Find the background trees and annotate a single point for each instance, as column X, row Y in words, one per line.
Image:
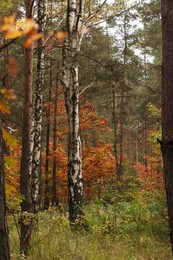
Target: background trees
column 119, row 110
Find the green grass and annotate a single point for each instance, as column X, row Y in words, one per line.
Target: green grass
column 125, row 224
column 104, row 239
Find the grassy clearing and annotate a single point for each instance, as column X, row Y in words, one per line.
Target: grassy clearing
column 53, row 239
column 125, row 225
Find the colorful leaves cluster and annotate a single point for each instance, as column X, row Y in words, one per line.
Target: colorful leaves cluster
column 12, row 28
column 98, row 160
column 148, row 177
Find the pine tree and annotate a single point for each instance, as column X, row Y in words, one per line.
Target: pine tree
column 25, row 168
column 167, row 106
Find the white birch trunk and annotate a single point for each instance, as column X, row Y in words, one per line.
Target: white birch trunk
column 36, row 154
column 71, row 90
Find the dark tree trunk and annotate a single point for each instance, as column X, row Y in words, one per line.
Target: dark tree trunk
column 122, row 103
column 4, row 241
column 115, row 123
column 167, row 106
column 25, row 167
column 121, row 135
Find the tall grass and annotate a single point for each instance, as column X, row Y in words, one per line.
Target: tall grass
column 129, row 227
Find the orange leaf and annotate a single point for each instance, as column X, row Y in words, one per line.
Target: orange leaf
column 5, row 27
column 28, row 43
column 4, row 107
column 62, row 35
column 37, row 36
column 10, row 19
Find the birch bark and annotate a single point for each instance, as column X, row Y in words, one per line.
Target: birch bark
column 71, row 91
column 36, row 153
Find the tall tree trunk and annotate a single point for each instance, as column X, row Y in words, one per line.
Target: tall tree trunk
column 47, row 184
column 145, row 145
column 4, row 240
column 167, row 106
column 137, row 149
column 129, row 134
column 55, row 200
column 71, row 91
column 25, row 178
column 121, row 135
column 115, row 122
column 122, row 101
column 36, row 157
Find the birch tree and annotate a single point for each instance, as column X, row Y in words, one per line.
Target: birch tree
column 36, row 153
column 75, row 28
column 71, row 91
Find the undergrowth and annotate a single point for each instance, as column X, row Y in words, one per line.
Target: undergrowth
column 124, row 224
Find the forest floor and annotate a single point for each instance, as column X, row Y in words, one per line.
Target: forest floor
column 131, row 227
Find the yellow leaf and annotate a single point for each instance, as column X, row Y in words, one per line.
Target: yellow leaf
column 29, row 25
column 8, row 93
column 13, row 34
column 20, row 23
column 9, row 139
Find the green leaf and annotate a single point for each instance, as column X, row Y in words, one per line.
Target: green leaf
column 9, row 162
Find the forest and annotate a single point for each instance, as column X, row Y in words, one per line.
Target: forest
column 86, row 130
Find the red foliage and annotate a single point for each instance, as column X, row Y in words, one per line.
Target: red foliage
column 148, row 177
column 98, row 159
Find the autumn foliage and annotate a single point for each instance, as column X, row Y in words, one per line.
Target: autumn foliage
column 98, row 160
column 13, row 28
column 150, row 176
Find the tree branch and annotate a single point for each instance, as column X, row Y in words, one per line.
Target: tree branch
column 7, row 44
column 96, row 12
column 86, row 88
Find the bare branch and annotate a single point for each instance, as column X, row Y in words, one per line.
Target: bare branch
column 112, row 17
column 7, row 44
column 86, row 88
column 54, row 32
column 96, row 12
